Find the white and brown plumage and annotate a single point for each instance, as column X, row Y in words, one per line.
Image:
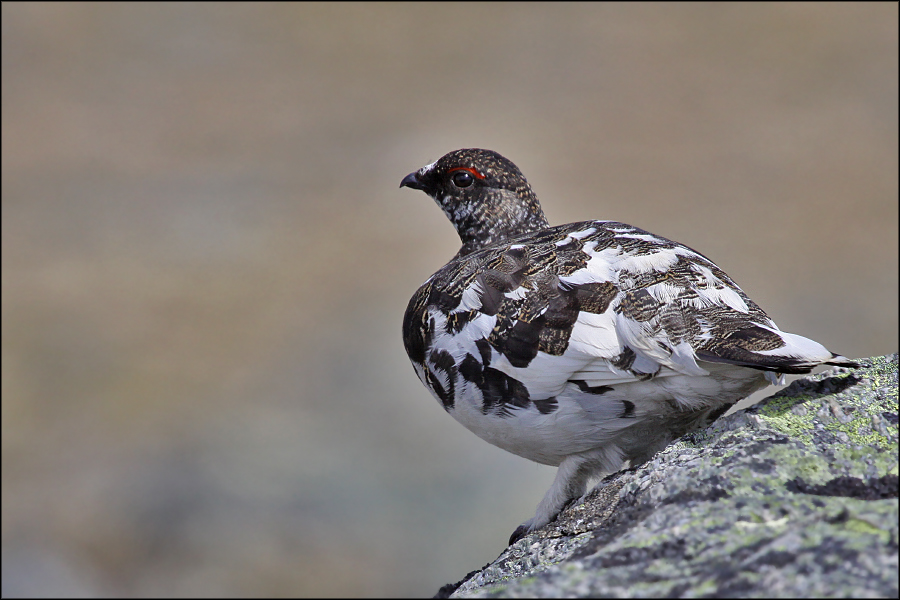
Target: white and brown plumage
column 583, row 345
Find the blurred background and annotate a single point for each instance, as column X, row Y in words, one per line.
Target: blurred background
column 206, row 257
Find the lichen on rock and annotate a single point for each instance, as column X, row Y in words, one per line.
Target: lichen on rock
column 795, row 496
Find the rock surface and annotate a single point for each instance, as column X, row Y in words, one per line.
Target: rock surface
column 795, row 496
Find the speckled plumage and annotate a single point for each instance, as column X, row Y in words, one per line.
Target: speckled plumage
column 582, row 345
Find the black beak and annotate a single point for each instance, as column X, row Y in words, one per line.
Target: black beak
column 412, row 181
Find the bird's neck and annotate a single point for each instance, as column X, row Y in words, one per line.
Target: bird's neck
column 487, row 224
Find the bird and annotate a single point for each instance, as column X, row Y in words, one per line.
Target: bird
column 587, row 346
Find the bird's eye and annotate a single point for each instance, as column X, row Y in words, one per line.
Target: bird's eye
column 462, row 179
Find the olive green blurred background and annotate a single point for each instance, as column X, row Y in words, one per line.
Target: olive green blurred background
column 206, row 257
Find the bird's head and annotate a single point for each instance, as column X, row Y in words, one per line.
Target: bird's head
column 484, row 195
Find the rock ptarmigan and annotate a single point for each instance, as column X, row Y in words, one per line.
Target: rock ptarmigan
column 583, row 345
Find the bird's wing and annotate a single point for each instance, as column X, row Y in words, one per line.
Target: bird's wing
column 615, row 304
column 593, row 305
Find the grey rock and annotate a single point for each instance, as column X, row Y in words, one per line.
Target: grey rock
column 795, row 496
